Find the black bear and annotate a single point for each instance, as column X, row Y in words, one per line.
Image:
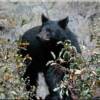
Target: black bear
column 42, row 40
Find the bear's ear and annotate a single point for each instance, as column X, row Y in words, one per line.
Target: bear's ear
column 62, row 23
column 44, row 19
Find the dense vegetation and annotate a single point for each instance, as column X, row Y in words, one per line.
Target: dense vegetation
column 83, row 76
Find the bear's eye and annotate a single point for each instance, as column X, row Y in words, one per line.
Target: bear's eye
column 48, row 30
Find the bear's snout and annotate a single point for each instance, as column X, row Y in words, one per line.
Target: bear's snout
column 43, row 37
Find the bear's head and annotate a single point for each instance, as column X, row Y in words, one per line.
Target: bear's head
column 52, row 30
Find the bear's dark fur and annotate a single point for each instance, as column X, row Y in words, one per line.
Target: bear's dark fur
column 42, row 40
column 54, row 75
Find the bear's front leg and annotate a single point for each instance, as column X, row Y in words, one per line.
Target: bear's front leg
column 30, row 77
